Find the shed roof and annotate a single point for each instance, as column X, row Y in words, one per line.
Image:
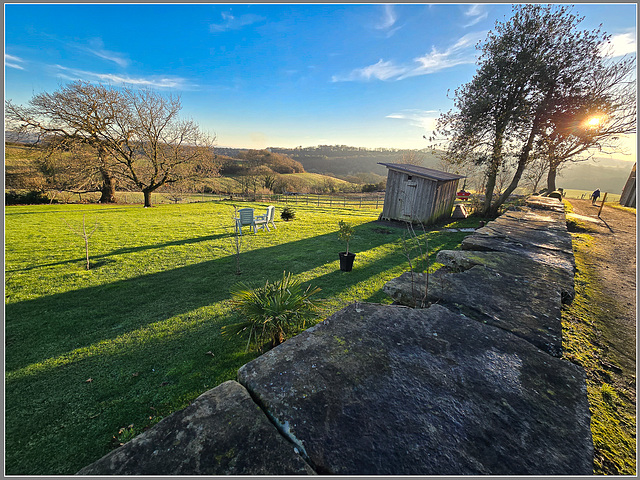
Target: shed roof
column 422, row 171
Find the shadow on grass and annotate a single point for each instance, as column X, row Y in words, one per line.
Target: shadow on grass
column 100, row 260
column 49, row 326
column 147, row 377
column 10, row 211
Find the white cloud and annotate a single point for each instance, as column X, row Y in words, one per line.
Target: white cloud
column 379, row 71
column 423, row 119
column 234, row 23
column 96, row 47
column 619, row 45
column 461, row 52
column 13, row 61
column 389, row 18
column 153, row 82
column 98, row 50
column 478, row 12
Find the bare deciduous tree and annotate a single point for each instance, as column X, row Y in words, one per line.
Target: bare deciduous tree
column 79, row 112
column 137, row 137
column 154, row 147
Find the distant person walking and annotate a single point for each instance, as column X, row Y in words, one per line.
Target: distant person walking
column 595, row 196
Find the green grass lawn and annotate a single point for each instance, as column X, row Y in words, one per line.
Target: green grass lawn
column 95, row 357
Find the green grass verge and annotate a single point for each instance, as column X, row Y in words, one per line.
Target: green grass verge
column 613, row 420
column 95, row 357
column 620, row 207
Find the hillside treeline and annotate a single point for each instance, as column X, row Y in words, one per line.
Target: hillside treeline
column 248, row 161
column 354, row 164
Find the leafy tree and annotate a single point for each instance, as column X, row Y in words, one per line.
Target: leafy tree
column 535, row 67
column 580, row 126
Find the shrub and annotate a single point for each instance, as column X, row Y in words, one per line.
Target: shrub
column 272, row 312
column 287, row 214
column 374, row 187
column 32, row 197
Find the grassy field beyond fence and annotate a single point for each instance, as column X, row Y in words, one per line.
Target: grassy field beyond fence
column 586, row 194
column 95, row 357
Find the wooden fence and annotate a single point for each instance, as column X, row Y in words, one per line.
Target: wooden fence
column 374, row 201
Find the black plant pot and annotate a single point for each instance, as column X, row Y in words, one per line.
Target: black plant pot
column 346, row 261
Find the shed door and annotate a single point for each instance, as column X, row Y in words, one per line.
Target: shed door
column 409, row 198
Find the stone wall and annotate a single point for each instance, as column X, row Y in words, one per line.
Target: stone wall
column 472, row 384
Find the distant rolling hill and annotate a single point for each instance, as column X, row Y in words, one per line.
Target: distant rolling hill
column 343, row 161
column 607, row 174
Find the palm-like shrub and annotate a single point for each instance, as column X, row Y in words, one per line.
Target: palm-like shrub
column 274, row 311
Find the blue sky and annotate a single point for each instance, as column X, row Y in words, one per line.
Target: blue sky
column 269, row 75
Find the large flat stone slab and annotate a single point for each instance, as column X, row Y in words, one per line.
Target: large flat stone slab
column 545, row 203
column 535, row 234
column 223, row 432
column 391, row 390
column 526, row 307
column 510, row 264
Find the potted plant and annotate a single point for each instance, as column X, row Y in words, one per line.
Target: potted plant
column 345, row 232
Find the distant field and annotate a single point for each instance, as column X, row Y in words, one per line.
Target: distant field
column 571, row 193
column 19, row 169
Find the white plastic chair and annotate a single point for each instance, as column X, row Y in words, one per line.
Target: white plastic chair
column 245, row 219
column 262, row 221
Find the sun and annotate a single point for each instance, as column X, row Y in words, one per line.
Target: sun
column 595, row 121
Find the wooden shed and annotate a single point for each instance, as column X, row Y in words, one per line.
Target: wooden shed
column 418, row 194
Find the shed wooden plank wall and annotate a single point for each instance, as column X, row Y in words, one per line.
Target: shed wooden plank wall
column 445, row 199
column 426, row 192
column 433, row 199
column 392, row 206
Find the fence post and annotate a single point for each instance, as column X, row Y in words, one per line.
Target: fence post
column 603, row 200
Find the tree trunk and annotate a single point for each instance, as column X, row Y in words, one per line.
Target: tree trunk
column 551, row 178
column 492, row 174
column 108, row 192
column 489, row 187
column 147, row 198
column 522, row 163
column 523, row 159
